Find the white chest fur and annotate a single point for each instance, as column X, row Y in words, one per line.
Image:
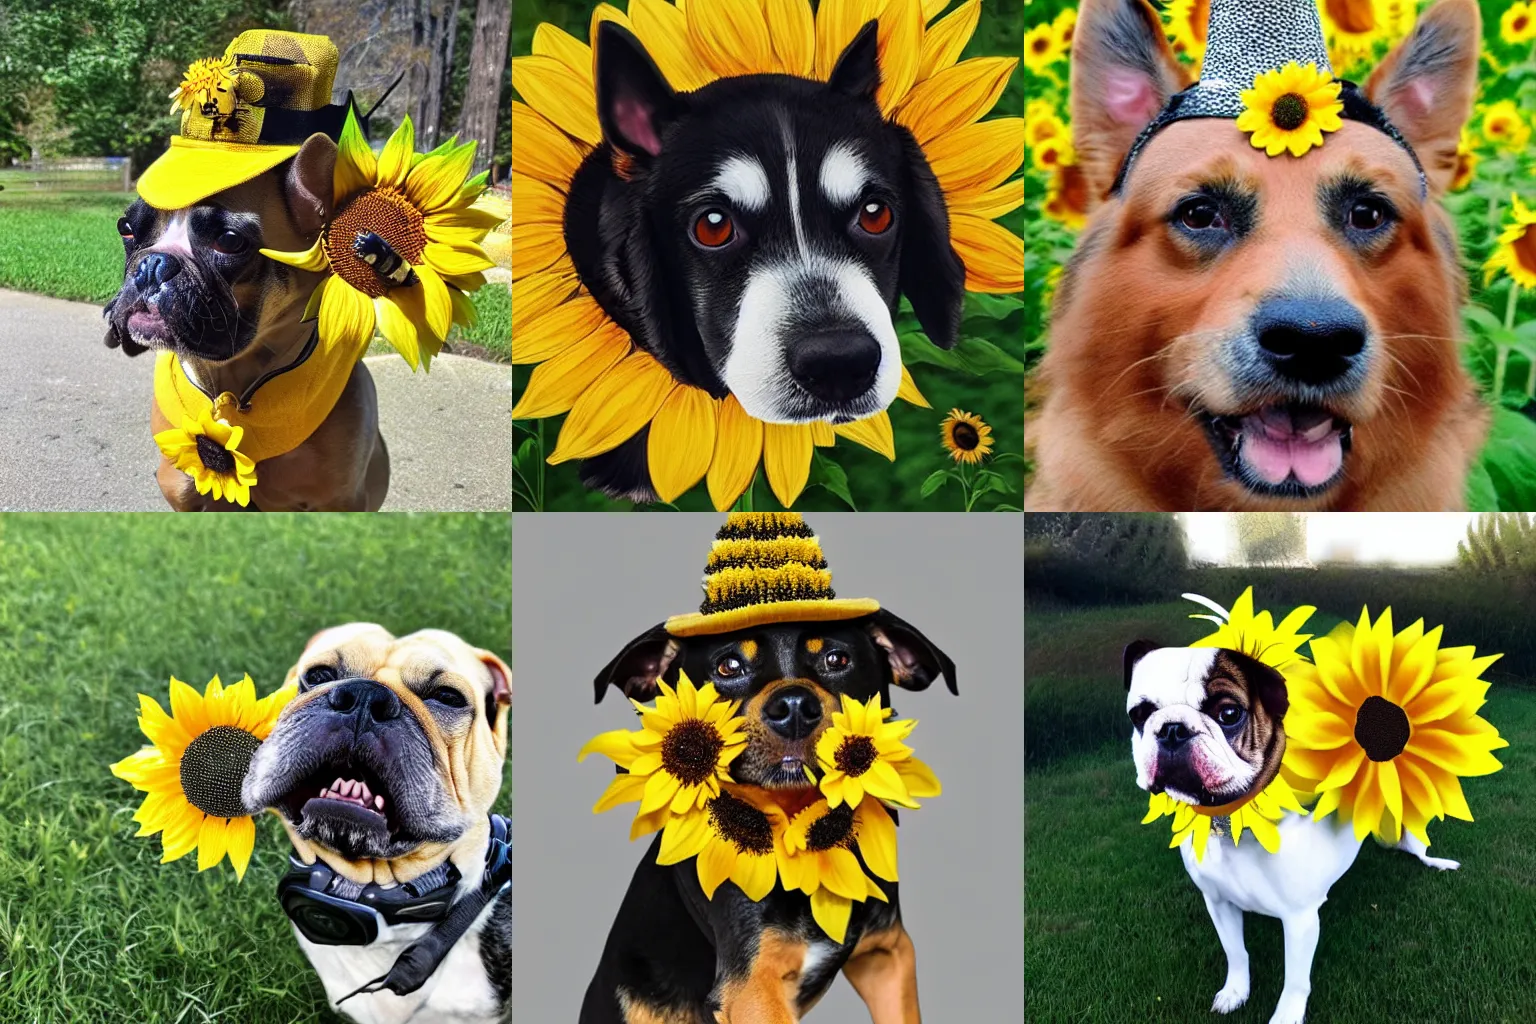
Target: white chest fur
column 1312, row 856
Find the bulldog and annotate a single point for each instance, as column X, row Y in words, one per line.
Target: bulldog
column 385, row 770
column 1208, row 730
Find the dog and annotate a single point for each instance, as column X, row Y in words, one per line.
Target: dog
column 195, row 284
column 673, row 955
column 1245, row 333
column 1207, row 730
column 755, row 236
column 384, row 771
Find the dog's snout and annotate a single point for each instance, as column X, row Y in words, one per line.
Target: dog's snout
column 793, row 712
column 366, row 699
column 1314, row 341
column 155, row 269
column 1173, row 735
column 835, row 366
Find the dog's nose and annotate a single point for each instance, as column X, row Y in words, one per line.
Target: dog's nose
column 364, row 698
column 155, row 269
column 1314, row 341
column 793, row 712
column 835, row 366
column 1173, row 735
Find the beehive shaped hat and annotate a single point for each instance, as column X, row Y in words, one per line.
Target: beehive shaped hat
column 766, row 567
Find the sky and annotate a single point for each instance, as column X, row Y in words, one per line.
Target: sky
column 1402, row 538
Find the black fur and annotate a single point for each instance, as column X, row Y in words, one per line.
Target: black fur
column 496, row 950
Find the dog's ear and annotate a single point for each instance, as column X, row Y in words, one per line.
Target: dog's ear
column 1265, row 683
column 915, row 661
column 1427, row 83
column 309, row 185
column 498, row 697
column 857, row 71
column 1134, row 652
column 634, row 102
column 1123, row 71
column 932, row 276
column 644, row 660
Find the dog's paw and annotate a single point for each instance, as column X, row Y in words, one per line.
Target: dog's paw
column 1292, row 1009
column 1440, row 863
column 1231, row 996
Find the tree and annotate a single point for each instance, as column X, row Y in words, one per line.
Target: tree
column 487, row 69
column 1271, row 538
column 1499, row 541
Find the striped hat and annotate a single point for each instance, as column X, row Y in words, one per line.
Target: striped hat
column 766, row 567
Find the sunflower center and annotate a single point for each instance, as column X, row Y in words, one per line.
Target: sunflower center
column 1519, row 23
column 742, row 825
column 965, row 436
column 1041, row 44
column 212, row 768
column 1524, row 249
column 387, row 213
column 691, row 751
column 214, row 455
column 1289, row 112
column 856, row 755
column 1353, row 16
column 831, row 830
column 1381, row 727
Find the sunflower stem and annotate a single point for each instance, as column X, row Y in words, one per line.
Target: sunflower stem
column 1509, row 306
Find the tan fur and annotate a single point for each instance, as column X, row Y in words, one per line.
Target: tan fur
column 767, row 995
column 636, row 1012
column 764, row 743
column 883, row 971
column 1262, row 740
column 749, row 649
column 815, row 644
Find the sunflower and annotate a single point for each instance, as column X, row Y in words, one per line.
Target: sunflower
column 1066, row 197
column 1387, row 723
column 1188, row 22
column 589, row 369
column 422, row 208
column 1042, row 47
column 860, row 752
column 1041, row 122
column 1466, row 162
column 1255, row 635
column 1504, row 127
column 739, row 842
column 1065, row 27
column 209, row 82
column 1050, row 153
column 1290, row 108
column 816, row 856
column 198, row 758
column 1516, row 252
column 209, row 452
column 966, row 436
column 1518, row 22
column 1352, row 28
column 1260, row 816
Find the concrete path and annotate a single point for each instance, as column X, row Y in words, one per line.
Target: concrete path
column 74, row 421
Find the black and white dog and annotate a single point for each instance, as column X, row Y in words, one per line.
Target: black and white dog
column 755, row 236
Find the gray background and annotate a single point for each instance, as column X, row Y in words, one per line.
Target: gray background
column 585, row 584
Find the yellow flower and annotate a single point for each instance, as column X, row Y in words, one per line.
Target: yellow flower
column 192, row 771
column 423, row 209
column 1504, row 127
column 1352, row 28
column 966, row 436
column 860, row 752
column 740, row 842
column 1065, row 26
column 1050, row 153
column 1188, row 21
column 1041, row 122
column 1516, row 251
column 1255, row 635
column 589, row 368
column 207, row 82
column 1260, row 816
column 1466, row 162
column 208, row 452
column 1385, row 724
column 1066, row 197
column 1042, row 47
column 1290, row 108
column 815, row 855
column 1518, row 22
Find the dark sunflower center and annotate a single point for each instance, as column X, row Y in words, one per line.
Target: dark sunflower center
column 831, row 830
column 214, row 455
column 1041, row 44
column 213, row 767
column 691, row 751
column 388, row 214
column 1381, row 727
column 965, row 436
column 741, row 824
column 1289, row 112
column 1518, row 25
column 856, row 755
column 1525, row 250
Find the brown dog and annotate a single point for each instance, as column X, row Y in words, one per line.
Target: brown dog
column 1214, row 263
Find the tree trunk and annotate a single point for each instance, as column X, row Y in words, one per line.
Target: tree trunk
column 482, row 93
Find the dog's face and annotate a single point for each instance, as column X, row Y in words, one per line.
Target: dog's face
column 392, row 752
column 755, row 235
column 1207, row 722
column 788, row 677
column 195, row 282
column 1281, row 326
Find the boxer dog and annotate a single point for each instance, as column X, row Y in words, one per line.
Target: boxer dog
column 1207, row 729
column 675, row 956
column 384, row 771
column 196, row 284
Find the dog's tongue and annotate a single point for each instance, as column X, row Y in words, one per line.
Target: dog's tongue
column 1279, row 442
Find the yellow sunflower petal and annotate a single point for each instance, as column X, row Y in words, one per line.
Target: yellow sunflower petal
column 456, row 259
column 434, row 183
column 993, row 255
column 211, row 843
column 837, row 22
column 356, row 166
column 714, row 866
column 977, row 157
column 792, row 31
column 877, row 840
column 955, row 96
column 732, row 37
column 755, row 875
column 559, row 94
column 682, row 441
column 557, row 330
column 908, row 391
column 313, row 258
column 663, row 29
column 395, row 160
column 901, row 35
column 538, row 230
column 944, row 41
column 439, row 307
column 831, row 912
column 552, row 41
column 540, row 150
column 398, row 326
column 873, row 433
column 738, row 447
column 239, row 841
column 787, row 449
column 556, row 384
column 187, row 707
column 617, row 405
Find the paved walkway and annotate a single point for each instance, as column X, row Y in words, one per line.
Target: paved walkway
column 74, row 421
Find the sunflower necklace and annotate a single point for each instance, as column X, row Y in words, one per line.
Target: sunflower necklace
column 1382, row 727
column 825, row 842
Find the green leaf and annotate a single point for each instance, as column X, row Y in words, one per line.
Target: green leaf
column 933, row 483
column 1481, row 320
column 1481, row 495
column 832, row 477
column 993, row 307
column 974, row 356
column 1509, row 459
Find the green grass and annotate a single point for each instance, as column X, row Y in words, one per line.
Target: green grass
column 1116, row 930
column 96, row 608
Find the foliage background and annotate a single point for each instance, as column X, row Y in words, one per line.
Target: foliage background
column 1498, row 329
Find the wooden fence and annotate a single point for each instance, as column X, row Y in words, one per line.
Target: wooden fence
column 70, row 174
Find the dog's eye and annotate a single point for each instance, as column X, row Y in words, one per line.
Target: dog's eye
column 230, row 243
column 875, row 217
column 1140, row 713
column 319, row 675
column 448, row 696
column 836, row 660
column 713, row 229
column 1201, row 214
column 124, row 228
column 1367, row 215
column 1229, row 715
column 730, row 667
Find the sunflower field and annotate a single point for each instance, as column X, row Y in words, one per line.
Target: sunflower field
column 1493, row 199
column 952, row 441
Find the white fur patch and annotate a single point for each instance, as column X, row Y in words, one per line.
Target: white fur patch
column 177, row 235
column 744, row 182
column 1172, row 679
column 844, row 175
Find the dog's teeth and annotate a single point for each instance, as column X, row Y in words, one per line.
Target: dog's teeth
column 366, row 793
column 325, row 793
column 338, row 787
column 378, row 803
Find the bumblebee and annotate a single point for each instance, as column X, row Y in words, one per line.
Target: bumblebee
column 393, row 269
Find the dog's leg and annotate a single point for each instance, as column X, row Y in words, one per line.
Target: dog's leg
column 883, row 971
column 766, row 994
column 1410, row 844
column 1228, row 920
column 1301, row 930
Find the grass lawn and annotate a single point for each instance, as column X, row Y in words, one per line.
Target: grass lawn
column 1116, row 931
column 96, row 608
column 65, row 244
